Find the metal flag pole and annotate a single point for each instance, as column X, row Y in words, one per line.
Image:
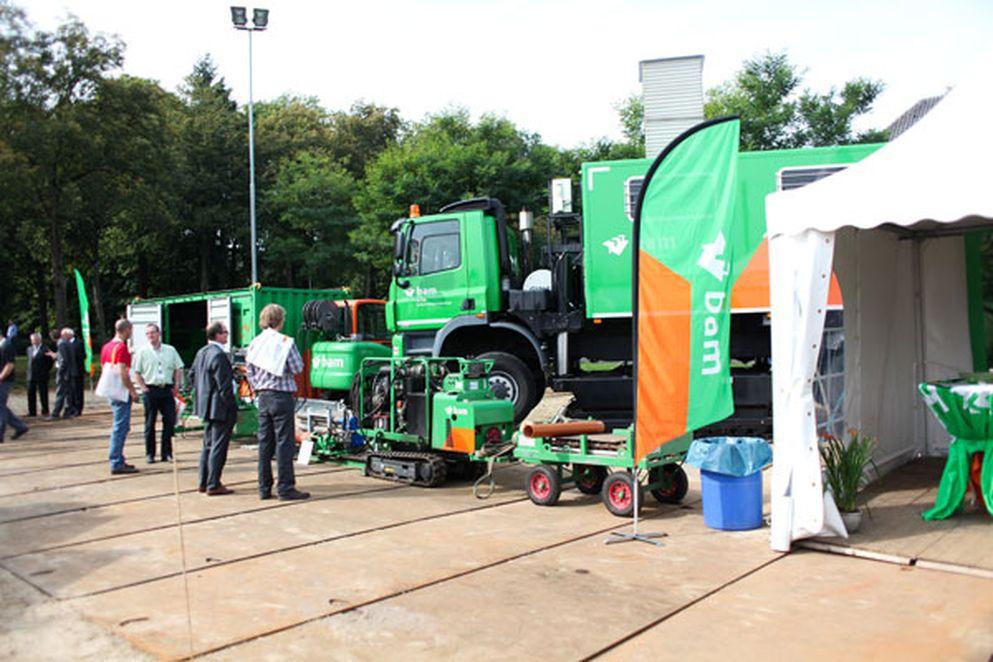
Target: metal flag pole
column 624, row 536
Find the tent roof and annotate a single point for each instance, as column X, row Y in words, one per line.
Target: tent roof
column 937, row 171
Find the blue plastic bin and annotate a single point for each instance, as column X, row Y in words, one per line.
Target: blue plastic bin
column 731, row 503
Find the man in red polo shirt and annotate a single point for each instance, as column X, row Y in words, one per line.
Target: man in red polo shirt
column 115, row 356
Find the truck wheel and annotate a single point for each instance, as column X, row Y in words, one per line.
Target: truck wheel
column 675, row 484
column 589, row 478
column 618, row 493
column 543, row 485
column 511, row 380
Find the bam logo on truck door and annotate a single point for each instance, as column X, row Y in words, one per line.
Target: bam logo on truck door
column 712, row 261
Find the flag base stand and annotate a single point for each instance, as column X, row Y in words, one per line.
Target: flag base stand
column 635, row 535
column 639, row 537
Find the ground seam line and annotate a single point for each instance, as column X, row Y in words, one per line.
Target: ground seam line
column 148, row 497
column 201, row 520
column 413, row 589
column 295, row 547
column 681, row 609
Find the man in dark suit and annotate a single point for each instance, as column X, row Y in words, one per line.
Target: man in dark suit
column 39, row 369
column 63, row 383
column 78, row 354
column 213, row 380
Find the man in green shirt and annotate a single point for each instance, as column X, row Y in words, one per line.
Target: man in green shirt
column 158, row 374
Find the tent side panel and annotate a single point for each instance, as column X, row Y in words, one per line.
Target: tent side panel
column 882, row 342
column 800, row 276
column 947, row 350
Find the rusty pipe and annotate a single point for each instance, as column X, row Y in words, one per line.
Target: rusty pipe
column 532, row 429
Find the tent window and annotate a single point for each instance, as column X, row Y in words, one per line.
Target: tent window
column 632, row 189
column 829, row 381
column 791, row 178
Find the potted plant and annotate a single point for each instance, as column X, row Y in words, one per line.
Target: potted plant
column 845, row 466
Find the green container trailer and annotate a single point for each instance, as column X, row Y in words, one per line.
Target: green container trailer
column 184, row 317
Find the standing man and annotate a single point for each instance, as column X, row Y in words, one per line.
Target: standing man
column 7, row 417
column 273, row 359
column 213, row 381
column 63, row 386
column 78, row 354
column 158, row 371
column 115, row 356
column 39, row 368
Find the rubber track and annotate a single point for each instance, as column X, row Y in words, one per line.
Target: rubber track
column 437, row 462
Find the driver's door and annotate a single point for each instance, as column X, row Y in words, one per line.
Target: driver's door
column 435, row 280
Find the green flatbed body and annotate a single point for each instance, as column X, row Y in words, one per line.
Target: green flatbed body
column 539, row 450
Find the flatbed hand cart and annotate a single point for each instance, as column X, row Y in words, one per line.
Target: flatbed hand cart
column 597, row 462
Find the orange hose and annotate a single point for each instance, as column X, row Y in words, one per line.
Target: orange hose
column 531, row 429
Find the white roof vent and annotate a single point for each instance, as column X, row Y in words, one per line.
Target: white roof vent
column 672, row 90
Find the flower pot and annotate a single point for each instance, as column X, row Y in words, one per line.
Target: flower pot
column 852, row 520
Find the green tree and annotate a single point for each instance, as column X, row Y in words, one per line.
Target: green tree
column 49, row 80
column 362, row 133
column 776, row 114
column 214, row 205
column 631, row 112
column 446, row 158
column 311, row 204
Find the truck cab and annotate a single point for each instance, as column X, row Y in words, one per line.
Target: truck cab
column 453, row 276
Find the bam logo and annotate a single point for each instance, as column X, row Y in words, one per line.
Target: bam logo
column 616, row 245
column 711, row 258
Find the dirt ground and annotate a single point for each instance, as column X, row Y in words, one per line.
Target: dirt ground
column 95, row 567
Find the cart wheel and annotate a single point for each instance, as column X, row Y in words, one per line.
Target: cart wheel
column 618, row 495
column 589, row 478
column 544, row 485
column 674, row 483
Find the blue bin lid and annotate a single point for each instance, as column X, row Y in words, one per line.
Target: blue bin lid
column 732, row 456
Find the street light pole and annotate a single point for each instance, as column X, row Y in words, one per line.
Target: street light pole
column 260, row 20
column 251, row 164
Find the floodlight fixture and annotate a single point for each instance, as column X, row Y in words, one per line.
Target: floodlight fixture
column 260, row 18
column 239, row 16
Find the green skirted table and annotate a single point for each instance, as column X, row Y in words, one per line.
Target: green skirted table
column 965, row 409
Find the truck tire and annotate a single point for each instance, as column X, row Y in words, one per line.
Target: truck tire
column 511, row 379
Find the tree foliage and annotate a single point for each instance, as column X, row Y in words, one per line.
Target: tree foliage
column 145, row 190
column 776, row 114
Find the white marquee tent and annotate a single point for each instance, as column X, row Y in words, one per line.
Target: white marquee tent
column 892, row 227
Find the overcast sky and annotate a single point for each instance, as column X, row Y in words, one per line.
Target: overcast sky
column 552, row 66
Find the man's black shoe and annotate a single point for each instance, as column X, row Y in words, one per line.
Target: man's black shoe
column 124, row 469
column 20, row 433
column 54, row 418
column 265, row 495
column 294, row 495
column 167, row 458
column 150, row 459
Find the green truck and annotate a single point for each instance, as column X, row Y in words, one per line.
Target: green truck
column 468, row 284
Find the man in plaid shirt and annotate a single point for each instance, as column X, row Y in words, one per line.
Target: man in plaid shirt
column 273, row 360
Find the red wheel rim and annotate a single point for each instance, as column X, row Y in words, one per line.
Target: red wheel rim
column 587, row 478
column 541, row 487
column 619, row 495
column 670, row 490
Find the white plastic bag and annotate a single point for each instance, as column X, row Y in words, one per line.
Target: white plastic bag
column 110, row 385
